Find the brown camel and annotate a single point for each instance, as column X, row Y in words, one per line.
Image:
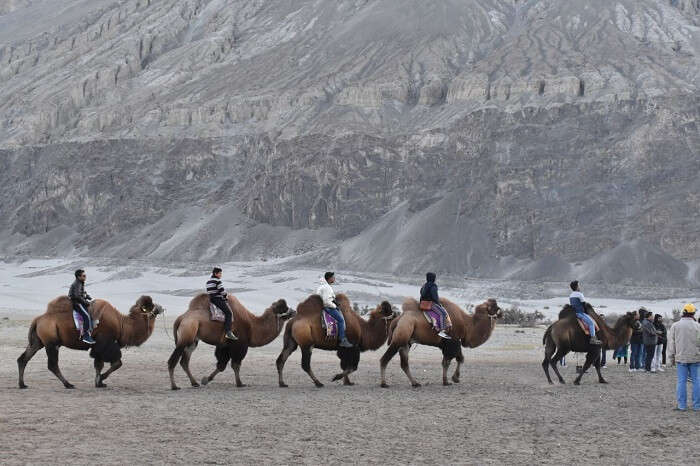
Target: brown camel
column 251, row 330
column 305, row 330
column 566, row 335
column 412, row 327
column 56, row 328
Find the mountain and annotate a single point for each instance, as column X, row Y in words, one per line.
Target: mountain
column 483, row 137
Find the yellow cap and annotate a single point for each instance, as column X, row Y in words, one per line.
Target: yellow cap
column 689, row 308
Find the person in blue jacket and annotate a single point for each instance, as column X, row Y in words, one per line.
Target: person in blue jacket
column 577, row 300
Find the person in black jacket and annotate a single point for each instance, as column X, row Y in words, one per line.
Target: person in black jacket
column 661, row 331
column 429, row 293
column 650, row 339
column 636, row 344
column 81, row 303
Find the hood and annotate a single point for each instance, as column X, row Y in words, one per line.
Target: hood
column 430, row 277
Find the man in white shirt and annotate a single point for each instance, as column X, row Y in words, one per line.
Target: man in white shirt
column 684, row 352
column 325, row 291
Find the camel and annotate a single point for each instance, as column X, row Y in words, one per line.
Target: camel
column 56, row 328
column 467, row 330
column 566, row 335
column 306, row 331
column 252, row 331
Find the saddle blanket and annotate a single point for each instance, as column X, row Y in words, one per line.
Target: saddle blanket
column 216, row 313
column 78, row 320
column 435, row 318
column 584, row 326
column 329, row 324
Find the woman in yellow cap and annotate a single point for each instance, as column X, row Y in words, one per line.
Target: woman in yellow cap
column 684, row 351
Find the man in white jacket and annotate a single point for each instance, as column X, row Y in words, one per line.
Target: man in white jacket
column 325, row 291
column 684, row 351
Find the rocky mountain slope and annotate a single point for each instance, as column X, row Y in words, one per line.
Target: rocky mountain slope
column 527, row 138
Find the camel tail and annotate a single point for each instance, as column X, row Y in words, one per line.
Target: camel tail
column 32, row 335
column 176, row 326
column 547, row 334
column 287, row 339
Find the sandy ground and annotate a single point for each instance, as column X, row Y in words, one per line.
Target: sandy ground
column 503, row 411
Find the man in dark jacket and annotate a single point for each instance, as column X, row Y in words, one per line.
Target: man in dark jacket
column 660, row 344
column 81, row 303
column 429, row 293
column 218, row 297
column 636, row 343
column 650, row 338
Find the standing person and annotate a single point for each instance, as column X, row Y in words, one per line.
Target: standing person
column 636, row 343
column 577, row 300
column 650, row 338
column 661, row 331
column 621, row 352
column 81, row 303
column 429, row 293
column 218, row 297
column 684, row 351
column 642, row 354
column 325, row 291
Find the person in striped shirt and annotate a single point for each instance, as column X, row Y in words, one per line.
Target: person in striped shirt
column 217, row 296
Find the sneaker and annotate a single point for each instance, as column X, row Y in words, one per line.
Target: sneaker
column 442, row 334
column 595, row 341
column 87, row 338
column 604, row 366
column 230, row 336
column 661, row 370
column 345, row 343
column 632, row 370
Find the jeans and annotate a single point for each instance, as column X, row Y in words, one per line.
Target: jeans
column 589, row 322
column 338, row 316
column 649, row 351
column 87, row 320
column 642, row 356
column 681, row 389
column 635, row 356
column 223, row 305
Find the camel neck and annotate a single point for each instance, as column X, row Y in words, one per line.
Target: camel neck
column 135, row 329
column 479, row 331
column 264, row 328
column 374, row 332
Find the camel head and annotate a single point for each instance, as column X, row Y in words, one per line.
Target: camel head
column 282, row 311
column 146, row 307
column 384, row 310
column 491, row 308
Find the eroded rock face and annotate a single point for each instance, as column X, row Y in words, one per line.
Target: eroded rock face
column 561, row 129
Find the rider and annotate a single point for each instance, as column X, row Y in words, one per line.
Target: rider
column 325, row 291
column 429, row 292
column 81, row 302
column 577, row 300
column 217, row 296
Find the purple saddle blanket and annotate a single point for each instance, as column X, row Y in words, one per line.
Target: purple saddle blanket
column 78, row 320
column 216, row 314
column 435, row 318
column 329, row 324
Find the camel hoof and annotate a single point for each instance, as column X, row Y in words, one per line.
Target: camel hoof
column 384, row 385
column 415, row 385
column 348, row 383
column 174, row 387
column 205, row 380
column 195, row 385
column 603, row 381
column 446, row 383
column 319, row 384
column 337, row 377
column 283, row 385
column 69, row 385
column 576, row 382
column 241, row 385
column 22, row 385
column 100, row 385
column 455, row 379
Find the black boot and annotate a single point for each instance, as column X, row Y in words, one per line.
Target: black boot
column 230, row 336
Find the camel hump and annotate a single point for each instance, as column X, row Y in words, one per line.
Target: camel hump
column 410, row 305
column 59, row 305
column 310, row 306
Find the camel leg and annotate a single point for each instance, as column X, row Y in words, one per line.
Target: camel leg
column 403, row 353
column 113, row 367
column 99, row 364
column 222, row 358
column 237, row 353
column 384, row 361
column 589, row 360
column 596, row 364
column 549, row 351
column 349, row 360
column 554, row 360
column 172, row 362
column 34, row 345
column 185, row 363
column 460, row 361
column 289, row 347
column 52, row 353
column 306, row 364
column 450, row 349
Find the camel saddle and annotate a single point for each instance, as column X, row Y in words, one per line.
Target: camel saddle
column 78, row 320
column 584, row 327
column 216, row 314
column 329, row 324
